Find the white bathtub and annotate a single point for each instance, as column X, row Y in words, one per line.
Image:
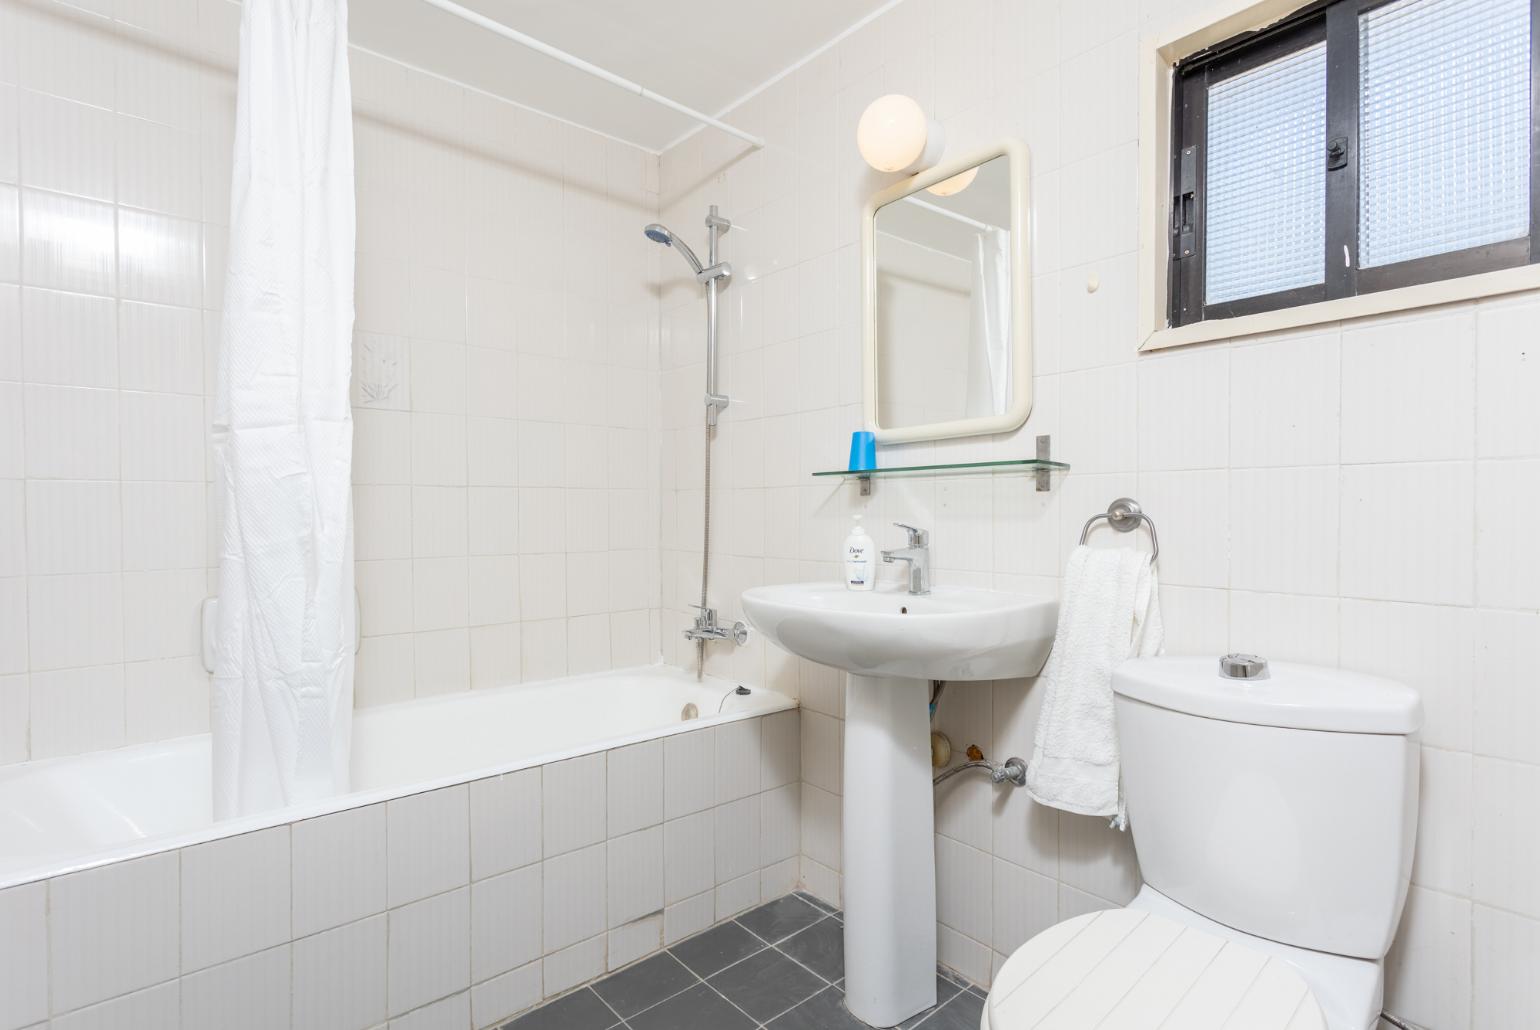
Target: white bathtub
column 65, row 814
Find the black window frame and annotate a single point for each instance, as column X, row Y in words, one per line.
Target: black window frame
column 1337, row 23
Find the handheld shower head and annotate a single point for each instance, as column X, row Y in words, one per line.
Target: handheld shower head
column 661, row 234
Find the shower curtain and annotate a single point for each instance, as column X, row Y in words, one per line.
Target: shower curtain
column 989, row 337
column 282, row 702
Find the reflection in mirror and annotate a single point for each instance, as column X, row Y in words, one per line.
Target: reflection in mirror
column 943, row 298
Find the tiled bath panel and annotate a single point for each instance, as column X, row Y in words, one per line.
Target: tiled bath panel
column 777, row 967
column 453, row 908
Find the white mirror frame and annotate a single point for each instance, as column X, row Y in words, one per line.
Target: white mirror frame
column 1021, row 299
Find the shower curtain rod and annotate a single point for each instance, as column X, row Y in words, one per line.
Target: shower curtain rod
column 498, row 28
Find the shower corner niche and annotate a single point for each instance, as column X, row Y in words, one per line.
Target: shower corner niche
column 1041, row 468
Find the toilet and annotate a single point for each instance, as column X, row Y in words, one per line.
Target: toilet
column 1273, row 809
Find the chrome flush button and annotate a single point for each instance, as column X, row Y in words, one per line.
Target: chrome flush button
column 1242, row 667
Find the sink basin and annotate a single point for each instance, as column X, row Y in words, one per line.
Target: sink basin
column 893, row 644
column 952, row 633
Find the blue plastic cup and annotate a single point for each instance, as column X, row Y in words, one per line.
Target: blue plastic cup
column 863, row 451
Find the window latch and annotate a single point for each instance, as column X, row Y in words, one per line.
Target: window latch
column 1184, row 215
column 1336, row 153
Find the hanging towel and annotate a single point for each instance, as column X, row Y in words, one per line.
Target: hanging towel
column 282, row 703
column 1110, row 612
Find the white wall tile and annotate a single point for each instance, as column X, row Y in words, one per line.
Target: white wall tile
column 963, row 888
column 1505, row 845
column 1507, row 644
column 635, row 876
column 1409, row 388
column 252, row 993
column 1507, row 556
column 1284, row 539
column 1507, row 425
column 23, row 955
column 505, row 822
column 1423, row 557
column 573, row 804
column 339, row 868
column 689, row 761
column 449, row 1013
column 113, row 930
column 506, row 922
column 1184, row 413
column 738, row 756
column 1024, row 903
column 635, row 787
column 1284, row 400
column 563, row 970
column 1425, row 972
column 737, row 838
column 339, row 977
column 506, row 995
column 429, row 950
column 428, row 844
column 151, row 1009
column 77, row 710
column 1505, row 949
column 573, row 904
column 689, row 856
column 73, row 527
column 218, row 923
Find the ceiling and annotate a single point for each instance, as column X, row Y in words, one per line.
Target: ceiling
column 703, row 54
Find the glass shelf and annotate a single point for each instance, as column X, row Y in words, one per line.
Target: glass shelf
column 1042, row 468
column 1008, row 465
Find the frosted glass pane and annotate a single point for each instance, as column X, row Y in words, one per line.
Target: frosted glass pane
column 1443, row 127
column 1266, row 205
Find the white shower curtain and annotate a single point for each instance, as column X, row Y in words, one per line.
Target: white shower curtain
column 989, row 338
column 282, row 701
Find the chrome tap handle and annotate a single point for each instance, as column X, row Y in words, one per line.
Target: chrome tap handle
column 917, row 537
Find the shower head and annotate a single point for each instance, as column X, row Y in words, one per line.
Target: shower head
column 661, row 234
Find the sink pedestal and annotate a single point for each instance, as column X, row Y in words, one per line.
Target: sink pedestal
column 889, row 850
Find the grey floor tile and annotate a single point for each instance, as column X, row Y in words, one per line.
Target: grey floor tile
column 580, row 1010
column 645, row 984
column 821, row 947
column 766, row 984
column 776, row 920
column 961, row 1013
column 823, row 1011
column 817, row 903
column 699, row 1008
column 716, row 949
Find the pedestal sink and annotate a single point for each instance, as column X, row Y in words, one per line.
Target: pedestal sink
column 893, row 644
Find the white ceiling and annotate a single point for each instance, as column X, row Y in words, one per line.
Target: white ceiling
column 701, row 53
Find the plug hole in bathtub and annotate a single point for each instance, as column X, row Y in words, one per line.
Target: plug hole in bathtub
column 689, row 712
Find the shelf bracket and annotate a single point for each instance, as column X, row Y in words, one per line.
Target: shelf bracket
column 1044, row 453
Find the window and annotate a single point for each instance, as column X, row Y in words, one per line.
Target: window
column 1357, row 146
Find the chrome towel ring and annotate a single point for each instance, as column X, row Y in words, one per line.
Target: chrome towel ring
column 1123, row 515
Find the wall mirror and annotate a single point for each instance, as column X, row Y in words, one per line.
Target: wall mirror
column 947, row 324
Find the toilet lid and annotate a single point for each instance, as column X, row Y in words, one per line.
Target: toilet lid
column 1127, row 970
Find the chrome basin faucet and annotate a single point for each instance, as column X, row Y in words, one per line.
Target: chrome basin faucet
column 917, row 554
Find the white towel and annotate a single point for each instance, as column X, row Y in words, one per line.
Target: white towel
column 1110, row 612
column 282, row 704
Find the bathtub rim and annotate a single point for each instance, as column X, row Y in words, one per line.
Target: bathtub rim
column 146, row 847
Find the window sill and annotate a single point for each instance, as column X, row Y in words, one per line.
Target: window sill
column 1407, row 298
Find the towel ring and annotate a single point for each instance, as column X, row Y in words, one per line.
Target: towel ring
column 1123, row 515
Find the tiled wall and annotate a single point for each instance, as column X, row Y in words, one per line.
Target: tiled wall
column 1353, row 495
column 458, row 907
column 505, row 403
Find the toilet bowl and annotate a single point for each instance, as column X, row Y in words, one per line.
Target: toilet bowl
column 1274, row 819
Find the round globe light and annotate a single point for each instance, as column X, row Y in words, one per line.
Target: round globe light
column 956, row 184
column 892, row 133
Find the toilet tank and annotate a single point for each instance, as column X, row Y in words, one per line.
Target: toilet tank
column 1285, row 807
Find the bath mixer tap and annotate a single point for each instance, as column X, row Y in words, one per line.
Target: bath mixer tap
column 707, row 628
column 917, row 554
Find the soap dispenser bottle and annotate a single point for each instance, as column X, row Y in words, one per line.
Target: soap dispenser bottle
column 860, row 569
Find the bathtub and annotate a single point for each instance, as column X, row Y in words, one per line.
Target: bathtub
column 673, row 803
